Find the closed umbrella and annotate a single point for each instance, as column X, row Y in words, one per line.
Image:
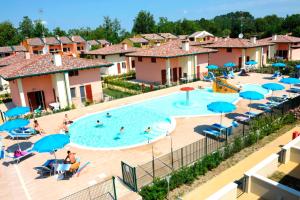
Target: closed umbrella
column 251, row 95
column 221, row 107
column 17, row 111
column 273, row 87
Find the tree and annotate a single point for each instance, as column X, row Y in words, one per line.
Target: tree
column 291, row 22
column 144, row 23
column 296, row 31
column 58, row 31
column 8, row 34
column 26, row 27
column 40, row 29
column 165, row 26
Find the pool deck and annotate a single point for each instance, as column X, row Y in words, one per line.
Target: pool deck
column 21, row 182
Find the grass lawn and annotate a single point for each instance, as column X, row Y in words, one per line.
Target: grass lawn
column 115, row 93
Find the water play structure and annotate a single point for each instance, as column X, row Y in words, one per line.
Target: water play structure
column 221, row 85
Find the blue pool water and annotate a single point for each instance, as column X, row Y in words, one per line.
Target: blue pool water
column 156, row 113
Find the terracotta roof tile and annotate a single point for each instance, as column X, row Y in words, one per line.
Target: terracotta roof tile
column 15, row 58
column 35, row 41
column 103, row 41
column 152, row 36
column 170, row 49
column 113, row 49
column 201, row 34
column 77, row 39
column 138, row 40
column 92, row 42
column 18, row 48
column 43, row 64
column 281, row 39
column 65, row 40
column 183, row 37
column 168, row 35
column 6, row 49
column 235, row 43
column 51, row 41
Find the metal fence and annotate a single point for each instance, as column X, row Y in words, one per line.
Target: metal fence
column 105, row 190
column 159, row 167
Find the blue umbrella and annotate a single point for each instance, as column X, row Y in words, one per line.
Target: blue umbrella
column 50, row 143
column 14, row 124
column 290, row 81
column 251, row 62
column 251, row 95
column 273, row 87
column 298, row 66
column 212, row 67
column 278, row 65
column 229, row 64
column 221, row 107
column 17, row 111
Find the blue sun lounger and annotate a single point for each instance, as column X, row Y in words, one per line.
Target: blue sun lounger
column 231, row 74
column 225, row 75
column 13, row 135
column 295, row 90
column 212, row 132
column 276, row 75
column 251, row 114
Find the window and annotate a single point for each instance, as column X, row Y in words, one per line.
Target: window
column 229, row 50
column 133, row 64
column 66, row 49
column 73, row 73
column 73, row 92
column 78, row 48
column 103, row 57
column 123, row 65
column 36, row 52
column 122, row 54
column 81, row 48
column 153, row 60
column 140, row 59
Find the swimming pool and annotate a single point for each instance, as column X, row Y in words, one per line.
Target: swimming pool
column 157, row 113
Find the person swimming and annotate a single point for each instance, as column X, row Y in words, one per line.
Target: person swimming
column 98, row 123
column 147, row 130
column 122, row 130
column 108, row 115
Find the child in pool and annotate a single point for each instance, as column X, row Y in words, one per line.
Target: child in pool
column 147, row 130
column 99, row 124
column 108, row 115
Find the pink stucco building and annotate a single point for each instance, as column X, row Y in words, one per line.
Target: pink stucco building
column 171, row 62
column 286, row 47
column 39, row 80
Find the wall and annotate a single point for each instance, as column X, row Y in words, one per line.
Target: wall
column 13, row 85
column 115, row 59
column 86, row 77
column 222, row 56
column 282, row 46
column 202, row 61
column 286, row 149
column 295, row 155
column 228, row 192
column 295, row 54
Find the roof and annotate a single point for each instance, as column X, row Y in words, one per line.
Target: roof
column 6, row 49
column 19, row 48
column 281, row 39
column 169, row 50
column 103, row 41
column 77, row 39
column 296, row 45
column 35, row 41
column 51, row 41
column 168, row 35
column 183, row 37
column 138, row 40
column 113, row 49
column 152, row 36
column 236, row 43
column 92, row 42
column 202, row 43
column 18, row 57
column 65, row 40
column 43, row 64
column 201, row 34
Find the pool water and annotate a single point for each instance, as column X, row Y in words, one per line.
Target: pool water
column 156, row 113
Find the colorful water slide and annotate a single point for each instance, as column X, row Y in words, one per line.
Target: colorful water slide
column 222, row 86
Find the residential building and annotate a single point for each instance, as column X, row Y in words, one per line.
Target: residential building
column 39, row 80
column 80, row 43
column 136, row 42
column 67, row 45
column 183, row 37
column 238, row 51
column 286, row 47
column 97, row 43
column 153, row 38
column 103, row 42
column 52, row 45
column 200, row 36
column 115, row 54
column 171, row 62
column 168, row 36
column 10, row 50
column 34, row 45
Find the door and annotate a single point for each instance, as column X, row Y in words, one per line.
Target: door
column 133, row 64
column 36, row 99
column 240, row 61
column 180, row 72
column 119, row 68
column 198, row 72
column 89, row 93
column 247, row 59
column 163, row 76
column 175, row 78
column 82, row 93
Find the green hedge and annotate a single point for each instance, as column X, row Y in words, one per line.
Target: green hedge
column 260, row 127
column 127, row 76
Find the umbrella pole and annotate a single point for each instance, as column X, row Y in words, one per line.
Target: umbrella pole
column 249, row 107
column 221, row 119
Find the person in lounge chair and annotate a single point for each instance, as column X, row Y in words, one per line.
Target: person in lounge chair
column 70, row 158
column 67, row 120
column 37, row 127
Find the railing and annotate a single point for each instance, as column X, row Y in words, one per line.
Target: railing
column 105, row 190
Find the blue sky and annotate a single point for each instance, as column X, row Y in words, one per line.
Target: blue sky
column 82, row 13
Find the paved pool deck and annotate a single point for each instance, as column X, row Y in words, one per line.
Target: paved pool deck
column 21, row 181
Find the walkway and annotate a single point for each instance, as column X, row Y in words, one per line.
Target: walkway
column 238, row 170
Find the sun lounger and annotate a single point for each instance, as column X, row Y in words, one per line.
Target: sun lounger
column 251, row 114
column 235, row 124
column 13, row 134
column 225, row 75
column 276, row 75
column 212, row 132
column 231, row 74
column 207, row 78
column 219, row 126
column 19, row 158
column 295, row 90
column 46, row 168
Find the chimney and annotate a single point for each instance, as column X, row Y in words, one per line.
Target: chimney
column 274, row 37
column 57, row 60
column 72, row 38
column 27, row 55
column 124, row 46
column 185, row 45
column 157, row 44
column 253, row 39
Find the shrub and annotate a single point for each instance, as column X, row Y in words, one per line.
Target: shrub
column 237, row 145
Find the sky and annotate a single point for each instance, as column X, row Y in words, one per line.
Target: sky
column 69, row 14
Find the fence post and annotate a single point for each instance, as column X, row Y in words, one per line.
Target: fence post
column 181, row 150
column 114, row 186
column 205, row 145
column 153, row 166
